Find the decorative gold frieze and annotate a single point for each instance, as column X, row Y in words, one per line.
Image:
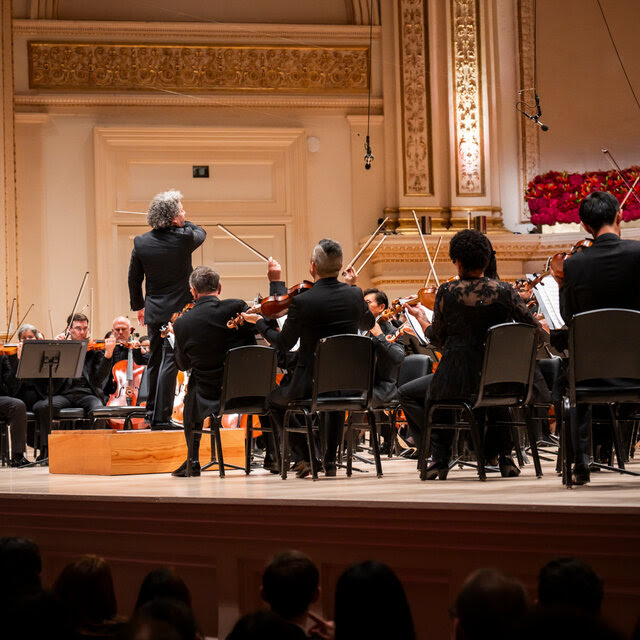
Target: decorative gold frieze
column 154, row 67
column 467, row 94
column 529, row 132
column 416, row 116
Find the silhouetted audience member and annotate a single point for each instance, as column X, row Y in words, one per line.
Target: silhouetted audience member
column 20, row 567
column 561, row 623
column 262, row 625
column 491, row 606
column 85, row 588
column 163, row 619
column 290, row 587
column 570, row 582
column 37, row 616
column 163, row 583
column 366, row 593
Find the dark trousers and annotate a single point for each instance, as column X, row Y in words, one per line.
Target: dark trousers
column 78, row 397
column 331, row 428
column 413, row 397
column 161, row 374
column 15, row 412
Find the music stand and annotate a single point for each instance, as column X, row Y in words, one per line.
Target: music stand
column 51, row 359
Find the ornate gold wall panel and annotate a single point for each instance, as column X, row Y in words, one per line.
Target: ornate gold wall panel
column 467, row 96
column 416, row 116
column 529, row 133
column 152, row 67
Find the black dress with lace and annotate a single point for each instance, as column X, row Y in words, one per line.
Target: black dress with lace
column 464, row 311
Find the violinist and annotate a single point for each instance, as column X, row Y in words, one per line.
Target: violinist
column 202, row 340
column 464, row 310
column 85, row 392
column 330, row 307
column 162, row 257
column 603, row 276
column 389, row 357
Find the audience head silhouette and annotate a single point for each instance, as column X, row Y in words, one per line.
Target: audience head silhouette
column 263, row 625
column 490, row 605
column 570, row 582
column 163, row 583
column 363, row 593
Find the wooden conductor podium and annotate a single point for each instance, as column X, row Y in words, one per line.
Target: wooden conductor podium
column 109, row 452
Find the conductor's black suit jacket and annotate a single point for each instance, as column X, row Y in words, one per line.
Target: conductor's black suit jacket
column 202, row 342
column 601, row 277
column 329, row 308
column 163, row 257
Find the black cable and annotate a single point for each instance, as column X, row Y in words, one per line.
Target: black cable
column 368, row 157
column 615, row 48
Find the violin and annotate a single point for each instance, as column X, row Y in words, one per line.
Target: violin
column 425, row 296
column 273, row 306
column 165, row 329
column 8, row 349
column 99, row 345
column 555, row 263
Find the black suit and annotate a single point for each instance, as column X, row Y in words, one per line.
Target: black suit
column 163, row 258
column 202, row 342
column 328, row 308
column 600, row 277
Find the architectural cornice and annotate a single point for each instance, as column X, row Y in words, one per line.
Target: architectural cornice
column 197, row 32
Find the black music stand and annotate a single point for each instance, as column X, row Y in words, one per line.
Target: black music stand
column 52, row 359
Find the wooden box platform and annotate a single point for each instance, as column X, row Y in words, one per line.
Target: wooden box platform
column 109, row 452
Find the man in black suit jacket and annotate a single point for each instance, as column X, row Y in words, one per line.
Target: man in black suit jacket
column 202, row 342
column 163, row 257
column 328, row 308
column 85, row 392
column 599, row 277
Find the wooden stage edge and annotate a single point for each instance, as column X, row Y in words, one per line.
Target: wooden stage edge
column 218, row 533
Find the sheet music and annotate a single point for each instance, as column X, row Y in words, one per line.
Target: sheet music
column 280, row 322
column 547, row 294
column 415, row 325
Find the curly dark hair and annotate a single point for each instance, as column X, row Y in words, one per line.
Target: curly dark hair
column 472, row 248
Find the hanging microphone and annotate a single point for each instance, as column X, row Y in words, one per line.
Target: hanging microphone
column 368, row 156
column 536, row 117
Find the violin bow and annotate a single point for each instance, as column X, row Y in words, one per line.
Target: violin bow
column 24, row 317
column 364, row 264
column 618, row 170
column 90, row 313
column 432, row 269
column 75, row 306
column 365, row 246
column 242, row 242
column 51, row 325
column 631, row 190
column 435, row 257
column 13, row 303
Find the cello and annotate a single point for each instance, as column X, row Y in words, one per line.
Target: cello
column 127, row 377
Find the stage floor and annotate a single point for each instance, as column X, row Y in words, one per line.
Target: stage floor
column 398, row 487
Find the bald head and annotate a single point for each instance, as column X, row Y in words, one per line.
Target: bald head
column 121, row 328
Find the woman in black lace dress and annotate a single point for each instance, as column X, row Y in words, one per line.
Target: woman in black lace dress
column 464, row 310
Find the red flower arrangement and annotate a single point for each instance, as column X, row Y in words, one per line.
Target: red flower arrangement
column 556, row 196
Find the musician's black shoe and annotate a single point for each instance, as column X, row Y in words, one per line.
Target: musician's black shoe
column 437, row 469
column 303, row 469
column 19, row 461
column 181, row 471
column 508, row 468
column 330, row 469
column 581, row 474
column 43, row 455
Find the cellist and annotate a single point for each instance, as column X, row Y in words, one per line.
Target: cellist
column 121, row 330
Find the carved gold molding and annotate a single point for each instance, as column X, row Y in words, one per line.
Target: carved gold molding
column 77, row 66
column 529, row 135
column 414, row 91
column 467, row 96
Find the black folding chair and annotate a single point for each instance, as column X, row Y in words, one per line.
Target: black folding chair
column 248, row 379
column 342, row 381
column 506, row 381
column 604, row 368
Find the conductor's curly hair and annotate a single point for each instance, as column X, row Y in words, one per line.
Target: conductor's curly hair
column 163, row 209
column 471, row 248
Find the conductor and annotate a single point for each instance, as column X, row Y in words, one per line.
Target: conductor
column 162, row 256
